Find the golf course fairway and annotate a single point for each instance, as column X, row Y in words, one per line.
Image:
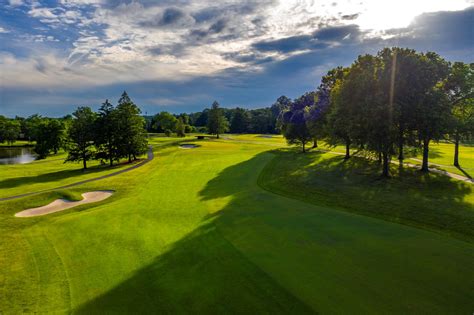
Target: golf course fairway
column 208, row 230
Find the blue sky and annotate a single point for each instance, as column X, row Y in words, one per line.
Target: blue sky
column 181, row 55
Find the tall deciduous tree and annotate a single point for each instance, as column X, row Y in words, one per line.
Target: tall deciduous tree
column 459, row 88
column 216, row 121
column 402, row 77
column 431, row 115
column 339, row 118
column 317, row 115
column 293, row 122
column 81, row 136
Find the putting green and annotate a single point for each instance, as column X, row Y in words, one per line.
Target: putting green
column 193, row 231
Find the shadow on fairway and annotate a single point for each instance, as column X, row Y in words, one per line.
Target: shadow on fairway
column 207, row 272
column 53, row 176
column 433, row 201
column 464, row 172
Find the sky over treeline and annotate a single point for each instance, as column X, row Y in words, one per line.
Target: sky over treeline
column 181, row 55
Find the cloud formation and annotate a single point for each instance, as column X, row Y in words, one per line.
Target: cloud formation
column 71, row 46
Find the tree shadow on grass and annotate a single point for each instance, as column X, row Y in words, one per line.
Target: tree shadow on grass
column 204, row 272
column 433, row 201
column 464, row 172
column 200, row 274
column 53, row 176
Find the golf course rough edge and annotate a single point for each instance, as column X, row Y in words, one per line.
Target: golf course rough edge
column 63, row 204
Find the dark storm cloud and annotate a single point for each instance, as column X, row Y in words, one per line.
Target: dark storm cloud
column 169, row 17
column 215, row 28
column 320, row 39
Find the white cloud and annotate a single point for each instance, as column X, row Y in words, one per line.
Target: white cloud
column 133, row 41
column 3, row 30
column 15, row 3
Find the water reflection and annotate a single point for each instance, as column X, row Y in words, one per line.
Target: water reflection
column 16, row 155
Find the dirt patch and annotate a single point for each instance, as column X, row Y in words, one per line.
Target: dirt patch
column 63, row 204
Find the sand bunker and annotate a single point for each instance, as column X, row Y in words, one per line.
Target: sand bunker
column 265, row 136
column 63, row 204
column 188, row 146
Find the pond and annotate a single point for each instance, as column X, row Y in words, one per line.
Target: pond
column 16, row 155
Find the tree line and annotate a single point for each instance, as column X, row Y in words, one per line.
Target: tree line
column 234, row 120
column 386, row 103
column 110, row 134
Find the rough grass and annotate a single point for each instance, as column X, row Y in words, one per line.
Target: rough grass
column 193, row 232
column 431, row 201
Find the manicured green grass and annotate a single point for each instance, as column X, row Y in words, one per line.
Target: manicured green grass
column 194, row 232
column 52, row 172
column 18, row 143
column 430, row 201
column 443, row 154
column 48, row 173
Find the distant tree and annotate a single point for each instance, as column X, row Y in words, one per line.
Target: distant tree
column 180, row 127
column 281, row 106
column 50, row 137
column 107, row 137
column 81, row 136
column 165, row 122
column 294, row 127
column 131, row 131
column 42, row 146
column 184, row 117
column 30, row 127
column 240, row 121
column 201, row 118
column 9, row 130
column 262, row 121
column 459, row 88
column 216, row 122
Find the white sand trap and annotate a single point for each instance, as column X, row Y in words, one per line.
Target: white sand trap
column 63, row 204
column 188, row 146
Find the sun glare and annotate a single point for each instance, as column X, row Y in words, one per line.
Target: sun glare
column 382, row 15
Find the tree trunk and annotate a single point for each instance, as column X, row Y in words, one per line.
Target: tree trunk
column 217, row 135
column 129, row 158
column 84, row 162
column 111, row 158
column 380, row 157
column 348, row 152
column 304, row 149
column 315, row 143
column 456, row 151
column 401, row 156
column 424, row 166
column 385, row 165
